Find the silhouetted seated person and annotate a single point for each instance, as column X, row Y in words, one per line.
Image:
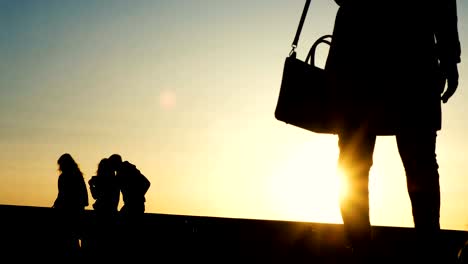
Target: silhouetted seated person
column 70, row 204
column 105, row 190
column 133, row 185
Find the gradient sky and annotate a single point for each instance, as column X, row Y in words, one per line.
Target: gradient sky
column 186, row 91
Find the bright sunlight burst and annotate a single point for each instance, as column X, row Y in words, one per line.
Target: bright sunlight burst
column 306, row 186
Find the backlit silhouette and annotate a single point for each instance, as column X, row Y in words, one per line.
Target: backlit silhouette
column 389, row 62
column 70, row 203
column 106, row 191
column 133, row 185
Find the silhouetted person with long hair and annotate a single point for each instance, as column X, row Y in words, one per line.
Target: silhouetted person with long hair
column 133, row 185
column 389, row 62
column 106, row 192
column 105, row 189
column 70, row 204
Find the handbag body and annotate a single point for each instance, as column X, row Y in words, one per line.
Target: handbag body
column 305, row 99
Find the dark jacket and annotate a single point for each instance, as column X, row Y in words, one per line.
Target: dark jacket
column 72, row 193
column 384, row 60
column 105, row 190
column 133, row 185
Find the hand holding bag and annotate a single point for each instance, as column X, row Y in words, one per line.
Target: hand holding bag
column 305, row 99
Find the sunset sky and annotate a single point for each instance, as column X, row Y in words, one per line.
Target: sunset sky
column 186, row 90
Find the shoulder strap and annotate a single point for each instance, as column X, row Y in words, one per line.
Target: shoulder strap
column 299, row 28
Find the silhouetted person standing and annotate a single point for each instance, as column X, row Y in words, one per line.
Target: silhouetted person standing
column 106, row 191
column 70, row 204
column 133, row 185
column 389, row 62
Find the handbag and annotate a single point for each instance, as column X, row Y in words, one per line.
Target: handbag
column 305, row 100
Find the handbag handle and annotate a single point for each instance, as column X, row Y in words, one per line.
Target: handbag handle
column 299, row 29
column 311, row 55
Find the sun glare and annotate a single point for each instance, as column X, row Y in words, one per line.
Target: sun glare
column 167, row 99
column 342, row 184
column 306, row 186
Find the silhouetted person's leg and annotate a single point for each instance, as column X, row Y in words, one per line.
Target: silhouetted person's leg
column 67, row 233
column 132, row 226
column 355, row 161
column 417, row 151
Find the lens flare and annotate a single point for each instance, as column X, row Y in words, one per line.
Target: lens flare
column 167, row 100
